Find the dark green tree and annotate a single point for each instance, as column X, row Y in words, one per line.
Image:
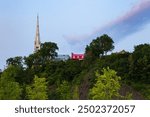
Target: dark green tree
column 14, row 72
column 106, row 43
column 42, row 57
column 9, row 88
column 48, row 50
column 17, row 61
column 100, row 46
column 140, row 64
column 33, row 60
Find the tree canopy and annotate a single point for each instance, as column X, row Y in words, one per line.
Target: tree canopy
column 42, row 56
column 140, row 63
column 38, row 90
column 74, row 79
column 18, row 61
column 9, row 88
column 107, row 85
column 48, row 50
column 100, row 46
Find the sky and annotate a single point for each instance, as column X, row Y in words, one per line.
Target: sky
column 72, row 24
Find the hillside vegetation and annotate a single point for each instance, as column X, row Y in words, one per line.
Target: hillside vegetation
column 39, row 76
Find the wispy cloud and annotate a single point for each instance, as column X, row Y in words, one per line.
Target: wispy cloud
column 131, row 22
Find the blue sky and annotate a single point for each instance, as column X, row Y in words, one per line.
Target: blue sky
column 72, row 24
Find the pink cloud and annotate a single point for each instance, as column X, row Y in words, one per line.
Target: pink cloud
column 131, row 22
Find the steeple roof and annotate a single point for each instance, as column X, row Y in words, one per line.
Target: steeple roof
column 37, row 42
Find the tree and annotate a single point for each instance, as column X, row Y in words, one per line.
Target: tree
column 9, row 88
column 106, row 43
column 29, row 61
column 64, row 91
column 48, row 50
column 17, row 61
column 72, row 69
column 99, row 46
column 107, row 85
column 42, row 56
column 15, row 73
column 33, row 60
column 140, row 64
column 37, row 90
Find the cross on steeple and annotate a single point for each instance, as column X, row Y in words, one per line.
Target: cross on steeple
column 37, row 43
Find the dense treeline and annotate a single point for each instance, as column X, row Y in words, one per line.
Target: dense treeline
column 121, row 75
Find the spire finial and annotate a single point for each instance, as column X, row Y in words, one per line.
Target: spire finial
column 37, row 19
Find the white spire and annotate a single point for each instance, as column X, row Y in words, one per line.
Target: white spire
column 37, row 43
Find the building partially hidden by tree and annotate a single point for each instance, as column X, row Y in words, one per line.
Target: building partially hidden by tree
column 62, row 57
column 77, row 56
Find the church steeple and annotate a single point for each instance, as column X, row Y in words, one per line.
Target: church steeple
column 37, row 43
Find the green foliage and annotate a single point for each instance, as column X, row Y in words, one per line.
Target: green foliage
column 117, row 61
column 32, row 60
column 75, row 94
column 48, row 50
column 99, row 46
column 9, row 89
column 17, row 61
column 72, row 79
column 128, row 96
column 37, row 90
column 14, row 73
column 142, row 88
column 42, row 56
column 140, row 64
column 60, row 71
column 106, row 43
column 107, row 85
column 72, row 69
column 64, row 91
